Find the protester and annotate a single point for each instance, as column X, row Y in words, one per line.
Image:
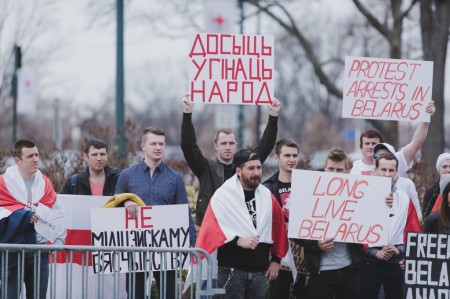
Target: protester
column 439, row 221
column 211, row 173
column 22, row 188
column 430, row 201
column 97, row 178
column 244, row 222
column 156, row 184
column 403, row 183
column 405, row 156
column 382, row 266
column 334, row 266
column 287, row 155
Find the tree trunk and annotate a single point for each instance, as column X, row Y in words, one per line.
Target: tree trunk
column 435, row 22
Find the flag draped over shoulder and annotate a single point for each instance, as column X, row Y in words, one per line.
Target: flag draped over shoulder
column 13, row 192
column 437, row 204
column 227, row 217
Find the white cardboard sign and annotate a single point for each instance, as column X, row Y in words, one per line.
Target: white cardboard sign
column 349, row 208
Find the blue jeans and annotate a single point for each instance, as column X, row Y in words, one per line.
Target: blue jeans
column 375, row 274
column 340, row 284
column 32, row 271
column 280, row 287
column 240, row 284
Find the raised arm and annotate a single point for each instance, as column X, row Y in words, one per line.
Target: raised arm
column 419, row 136
column 192, row 153
column 269, row 136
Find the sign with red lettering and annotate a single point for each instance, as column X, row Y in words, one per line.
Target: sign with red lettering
column 345, row 207
column 231, row 69
column 390, row 89
column 151, row 228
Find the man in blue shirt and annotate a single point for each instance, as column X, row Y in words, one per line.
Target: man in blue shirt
column 156, row 184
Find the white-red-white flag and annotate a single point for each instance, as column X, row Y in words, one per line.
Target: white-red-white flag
column 220, row 16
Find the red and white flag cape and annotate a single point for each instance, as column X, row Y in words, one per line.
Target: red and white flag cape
column 227, row 217
column 14, row 196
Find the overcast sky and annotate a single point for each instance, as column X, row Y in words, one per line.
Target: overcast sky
column 83, row 68
column 85, row 64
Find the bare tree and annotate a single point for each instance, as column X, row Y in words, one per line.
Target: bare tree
column 435, row 22
column 27, row 24
column 390, row 29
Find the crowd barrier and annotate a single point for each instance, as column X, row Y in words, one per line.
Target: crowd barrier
column 96, row 271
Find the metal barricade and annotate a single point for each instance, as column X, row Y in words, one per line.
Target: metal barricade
column 55, row 272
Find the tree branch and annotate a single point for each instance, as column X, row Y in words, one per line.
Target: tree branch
column 406, row 12
column 307, row 47
column 383, row 30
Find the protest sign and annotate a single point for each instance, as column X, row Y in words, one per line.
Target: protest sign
column 51, row 224
column 231, row 69
column 349, row 208
column 78, row 222
column 155, row 226
column 389, row 89
column 426, row 266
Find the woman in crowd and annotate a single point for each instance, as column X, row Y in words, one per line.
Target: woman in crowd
column 439, row 222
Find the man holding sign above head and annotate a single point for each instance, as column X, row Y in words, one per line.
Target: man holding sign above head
column 382, row 262
column 211, row 173
column 405, row 156
column 156, row 184
column 29, row 213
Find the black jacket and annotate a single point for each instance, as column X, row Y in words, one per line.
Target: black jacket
column 432, row 225
column 210, row 172
column 429, row 198
column 272, row 184
column 82, row 186
column 311, row 263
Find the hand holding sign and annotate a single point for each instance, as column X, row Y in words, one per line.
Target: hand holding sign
column 34, row 219
column 274, row 108
column 326, row 245
column 430, row 109
column 187, row 104
column 50, row 223
column 132, row 208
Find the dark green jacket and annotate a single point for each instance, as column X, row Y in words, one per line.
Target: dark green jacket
column 210, row 172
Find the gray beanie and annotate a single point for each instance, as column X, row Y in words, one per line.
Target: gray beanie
column 445, row 180
column 442, row 157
